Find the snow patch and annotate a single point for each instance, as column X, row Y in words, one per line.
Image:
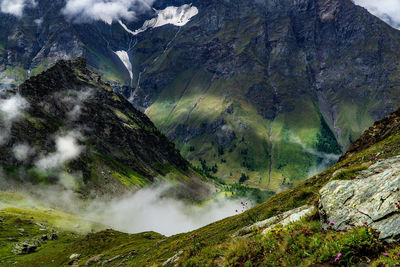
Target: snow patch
column 38, row 22
column 178, row 16
column 126, row 28
column 124, row 57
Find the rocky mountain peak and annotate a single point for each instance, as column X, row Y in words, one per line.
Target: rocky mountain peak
column 73, row 124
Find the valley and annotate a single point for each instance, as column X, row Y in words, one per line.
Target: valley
column 199, row 133
column 218, row 243
column 217, row 76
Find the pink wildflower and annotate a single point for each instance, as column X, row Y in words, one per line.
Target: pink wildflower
column 338, row 257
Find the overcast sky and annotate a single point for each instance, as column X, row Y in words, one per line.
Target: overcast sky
column 387, row 10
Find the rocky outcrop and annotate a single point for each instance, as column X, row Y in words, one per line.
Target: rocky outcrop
column 376, row 133
column 369, row 200
column 29, row 246
column 173, row 259
column 283, row 219
column 117, row 148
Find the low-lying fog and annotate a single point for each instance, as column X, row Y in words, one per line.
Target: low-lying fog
column 145, row 210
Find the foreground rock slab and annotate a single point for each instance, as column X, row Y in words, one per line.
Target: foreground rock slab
column 281, row 219
column 370, row 200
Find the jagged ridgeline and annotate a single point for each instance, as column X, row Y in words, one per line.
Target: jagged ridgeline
column 67, row 126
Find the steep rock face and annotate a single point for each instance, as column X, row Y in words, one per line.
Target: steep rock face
column 370, row 199
column 303, row 77
column 36, row 41
column 73, row 125
column 295, row 82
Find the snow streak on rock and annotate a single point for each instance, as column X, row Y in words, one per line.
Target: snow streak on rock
column 178, row 16
column 123, row 55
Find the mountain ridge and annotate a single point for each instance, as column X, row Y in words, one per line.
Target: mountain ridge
column 304, row 239
column 255, row 88
column 107, row 146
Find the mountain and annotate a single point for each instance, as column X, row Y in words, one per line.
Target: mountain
column 270, row 90
column 66, row 126
column 293, row 228
column 278, row 88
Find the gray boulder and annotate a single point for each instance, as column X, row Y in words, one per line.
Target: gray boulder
column 370, row 199
column 26, row 247
column 283, row 219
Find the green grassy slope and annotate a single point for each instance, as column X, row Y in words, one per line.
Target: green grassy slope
column 302, row 243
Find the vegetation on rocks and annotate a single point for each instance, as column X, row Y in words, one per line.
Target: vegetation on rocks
column 248, row 86
column 303, row 243
column 114, row 147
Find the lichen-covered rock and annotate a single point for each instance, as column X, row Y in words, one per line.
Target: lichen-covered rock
column 173, row 259
column 26, row 247
column 368, row 200
column 94, row 259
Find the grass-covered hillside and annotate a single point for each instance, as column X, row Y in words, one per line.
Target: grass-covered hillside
column 302, row 243
column 66, row 126
column 272, row 90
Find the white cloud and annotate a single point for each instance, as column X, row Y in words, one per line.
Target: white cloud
column 326, row 159
column 11, row 110
column 387, row 10
column 22, row 151
column 149, row 210
column 75, row 102
column 16, row 7
column 105, row 10
column 70, row 181
column 67, row 148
